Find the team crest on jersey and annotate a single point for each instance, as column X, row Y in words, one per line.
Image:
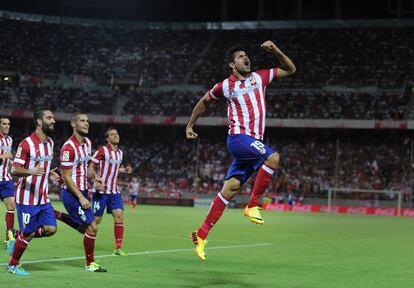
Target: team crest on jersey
column 65, row 156
column 19, row 152
column 252, row 80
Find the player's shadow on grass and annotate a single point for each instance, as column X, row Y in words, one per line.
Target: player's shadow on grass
column 215, row 279
column 55, row 266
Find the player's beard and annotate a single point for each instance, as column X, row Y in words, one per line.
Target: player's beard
column 47, row 129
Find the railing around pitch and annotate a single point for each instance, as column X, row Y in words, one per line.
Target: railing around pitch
column 352, row 190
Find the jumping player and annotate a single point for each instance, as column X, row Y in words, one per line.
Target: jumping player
column 244, row 92
column 109, row 159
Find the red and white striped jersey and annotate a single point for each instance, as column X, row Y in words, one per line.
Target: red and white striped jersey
column 133, row 188
column 33, row 190
column 5, row 146
column 75, row 156
column 246, row 101
column 109, row 161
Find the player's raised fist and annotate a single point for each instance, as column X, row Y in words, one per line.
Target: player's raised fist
column 269, row 46
column 190, row 133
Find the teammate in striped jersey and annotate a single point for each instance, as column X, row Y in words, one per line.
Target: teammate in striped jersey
column 133, row 189
column 108, row 158
column 32, row 165
column 244, row 92
column 74, row 158
column 6, row 181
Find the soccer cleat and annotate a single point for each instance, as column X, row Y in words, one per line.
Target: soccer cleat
column 17, row 269
column 200, row 244
column 119, row 252
column 253, row 214
column 94, row 267
column 10, row 244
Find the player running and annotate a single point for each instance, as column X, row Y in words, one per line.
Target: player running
column 133, row 189
column 108, row 158
column 6, row 181
column 244, row 92
column 74, row 157
column 32, row 165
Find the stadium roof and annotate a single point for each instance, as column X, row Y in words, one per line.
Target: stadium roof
column 216, row 10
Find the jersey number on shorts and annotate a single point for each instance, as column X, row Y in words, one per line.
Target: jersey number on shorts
column 26, row 218
column 96, row 207
column 82, row 214
column 259, row 146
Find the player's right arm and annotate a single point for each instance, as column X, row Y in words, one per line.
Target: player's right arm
column 22, row 156
column 67, row 179
column 199, row 109
column 213, row 94
column 5, row 154
column 67, row 156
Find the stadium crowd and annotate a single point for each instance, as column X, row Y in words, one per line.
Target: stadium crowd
column 99, row 60
column 308, row 166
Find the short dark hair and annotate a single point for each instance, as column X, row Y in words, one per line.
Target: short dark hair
column 4, row 117
column 109, row 129
column 231, row 51
column 76, row 114
column 38, row 114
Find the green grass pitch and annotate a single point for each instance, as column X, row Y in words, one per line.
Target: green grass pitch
column 290, row 250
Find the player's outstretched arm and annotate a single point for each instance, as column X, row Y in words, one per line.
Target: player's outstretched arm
column 288, row 68
column 125, row 170
column 199, row 109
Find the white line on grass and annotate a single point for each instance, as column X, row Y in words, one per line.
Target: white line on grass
column 185, row 238
column 145, row 253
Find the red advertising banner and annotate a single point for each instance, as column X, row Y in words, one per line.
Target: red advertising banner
column 339, row 209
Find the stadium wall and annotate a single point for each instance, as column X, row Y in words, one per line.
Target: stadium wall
column 221, row 121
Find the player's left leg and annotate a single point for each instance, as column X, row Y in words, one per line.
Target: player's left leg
column 7, row 195
column 266, row 162
column 28, row 221
column 116, row 207
column 89, row 245
column 9, row 220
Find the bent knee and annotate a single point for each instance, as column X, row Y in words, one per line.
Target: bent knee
column 230, row 188
column 50, row 230
column 273, row 159
column 92, row 228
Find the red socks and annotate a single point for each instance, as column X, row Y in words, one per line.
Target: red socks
column 89, row 246
column 262, row 180
column 19, row 248
column 119, row 234
column 39, row 232
column 214, row 214
column 9, row 219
